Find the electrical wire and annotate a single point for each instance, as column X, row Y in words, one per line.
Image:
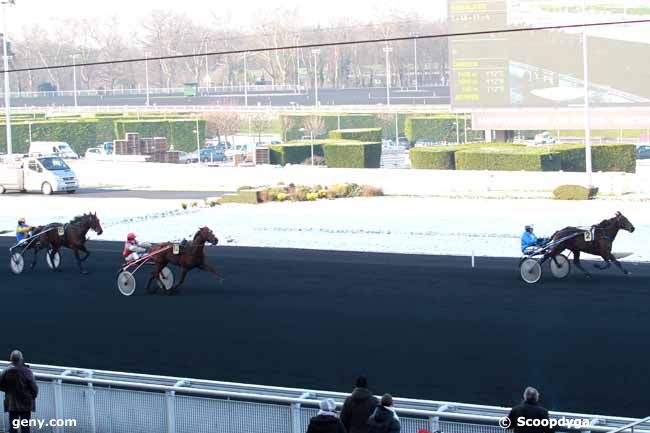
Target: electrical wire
column 329, row 44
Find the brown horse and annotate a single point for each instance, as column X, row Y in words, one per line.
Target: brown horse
column 600, row 243
column 73, row 237
column 189, row 256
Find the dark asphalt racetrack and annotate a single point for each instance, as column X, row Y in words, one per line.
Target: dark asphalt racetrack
column 418, row 326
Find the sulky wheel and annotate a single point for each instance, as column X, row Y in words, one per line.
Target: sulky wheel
column 126, row 283
column 530, row 270
column 560, row 266
column 17, row 263
column 53, row 259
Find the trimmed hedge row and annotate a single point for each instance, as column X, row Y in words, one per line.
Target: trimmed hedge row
column 574, row 192
column 337, row 153
column 352, row 155
column 369, row 135
column 84, row 133
column 331, row 122
column 604, row 157
column 508, row 157
column 293, row 153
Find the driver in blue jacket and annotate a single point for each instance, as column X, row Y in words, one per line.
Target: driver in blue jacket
column 529, row 241
column 23, row 230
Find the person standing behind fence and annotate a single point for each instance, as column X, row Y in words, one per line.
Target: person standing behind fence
column 529, row 409
column 358, row 407
column 384, row 419
column 326, row 421
column 19, row 386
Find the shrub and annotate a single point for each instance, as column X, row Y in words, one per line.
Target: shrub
column 574, row 192
column 318, row 160
column 370, row 191
column 436, row 128
column 282, row 196
column 604, row 157
column 372, row 135
column 294, row 122
column 293, row 153
column 436, row 158
column 353, row 155
column 312, row 196
column 508, row 159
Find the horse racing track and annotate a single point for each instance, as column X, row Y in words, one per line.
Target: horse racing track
column 418, row 326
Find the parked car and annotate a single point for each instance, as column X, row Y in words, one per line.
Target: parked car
column 643, row 152
column 213, row 154
column 544, row 138
column 95, row 152
column 52, row 148
column 426, row 143
column 187, row 158
column 403, row 141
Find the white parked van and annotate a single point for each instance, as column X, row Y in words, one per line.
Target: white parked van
column 56, row 148
column 46, row 174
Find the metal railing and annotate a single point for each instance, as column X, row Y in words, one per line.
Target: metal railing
column 114, row 402
column 308, row 109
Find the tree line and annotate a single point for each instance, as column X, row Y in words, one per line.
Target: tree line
column 168, row 33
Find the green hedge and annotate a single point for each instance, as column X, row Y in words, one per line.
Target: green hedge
column 508, row 159
column 433, row 158
column 352, row 155
column 368, row 135
column 293, row 153
column 435, row 128
column 179, row 133
column 331, row 122
column 604, row 157
column 80, row 134
column 574, row 192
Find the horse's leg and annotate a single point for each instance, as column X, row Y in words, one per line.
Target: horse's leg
column 75, row 250
column 173, row 290
column 213, row 271
column 605, row 266
column 618, row 264
column 82, row 247
column 35, row 258
column 154, row 276
column 576, row 262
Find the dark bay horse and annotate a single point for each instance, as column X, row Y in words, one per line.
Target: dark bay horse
column 191, row 255
column 74, row 237
column 600, row 244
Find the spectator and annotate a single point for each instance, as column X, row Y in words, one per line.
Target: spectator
column 384, row 420
column 326, row 421
column 529, row 409
column 358, row 407
column 19, row 386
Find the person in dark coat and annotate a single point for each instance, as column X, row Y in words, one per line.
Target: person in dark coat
column 529, row 409
column 19, row 386
column 326, row 421
column 358, row 407
column 384, row 419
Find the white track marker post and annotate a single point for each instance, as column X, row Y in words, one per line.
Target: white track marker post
column 473, row 260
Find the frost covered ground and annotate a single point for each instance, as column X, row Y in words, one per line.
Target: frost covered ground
column 387, row 224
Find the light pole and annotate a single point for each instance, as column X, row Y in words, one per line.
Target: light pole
column 297, row 65
column 415, row 55
column 387, row 50
column 245, row 79
column 146, row 74
column 585, row 64
column 311, row 136
column 198, row 143
column 6, row 3
column 30, row 132
column 315, row 52
column 208, row 79
column 74, row 77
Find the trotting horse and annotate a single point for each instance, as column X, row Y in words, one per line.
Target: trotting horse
column 600, row 244
column 74, row 237
column 190, row 256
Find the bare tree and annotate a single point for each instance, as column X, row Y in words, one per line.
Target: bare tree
column 260, row 123
column 315, row 125
column 223, row 124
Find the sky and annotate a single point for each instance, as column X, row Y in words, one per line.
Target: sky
column 241, row 14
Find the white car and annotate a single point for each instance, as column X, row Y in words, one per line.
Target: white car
column 544, row 138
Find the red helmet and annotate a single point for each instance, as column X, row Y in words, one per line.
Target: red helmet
column 130, row 236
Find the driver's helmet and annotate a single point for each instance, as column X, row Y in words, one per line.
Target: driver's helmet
column 529, row 228
column 130, row 237
column 21, row 220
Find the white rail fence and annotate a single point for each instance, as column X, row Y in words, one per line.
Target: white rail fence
column 113, row 402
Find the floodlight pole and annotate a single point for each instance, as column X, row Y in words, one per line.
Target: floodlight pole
column 315, row 52
column 6, row 3
column 387, row 50
column 74, row 77
column 587, row 113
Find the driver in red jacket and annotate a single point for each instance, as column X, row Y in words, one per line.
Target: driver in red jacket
column 133, row 250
